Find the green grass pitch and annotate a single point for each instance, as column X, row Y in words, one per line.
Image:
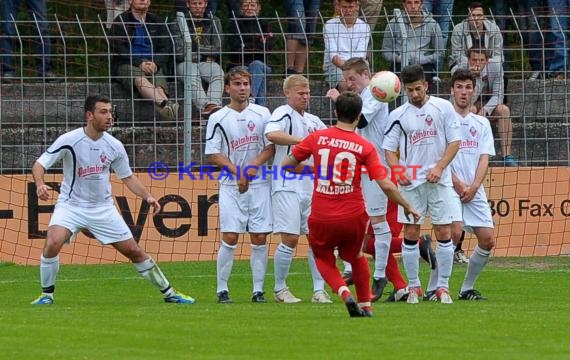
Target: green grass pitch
column 109, row 312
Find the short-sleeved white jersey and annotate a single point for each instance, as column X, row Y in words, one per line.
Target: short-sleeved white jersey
column 239, row 136
column 422, row 135
column 476, row 139
column 86, row 167
column 288, row 120
column 376, row 114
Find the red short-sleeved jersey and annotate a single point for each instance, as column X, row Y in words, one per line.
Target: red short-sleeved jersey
column 339, row 156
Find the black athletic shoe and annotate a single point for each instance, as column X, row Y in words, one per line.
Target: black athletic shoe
column 378, row 288
column 258, row 297
column 367, row 311
column 347, row 277
column 471, row 295
column 426, row 251
column 430, row 295
column 352, row 307
column 224, row 297
column 398, row 295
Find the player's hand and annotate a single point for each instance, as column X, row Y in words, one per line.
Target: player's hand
column 333, row 94
column 43, row 192
column 404, row 179
column 251, row 172
column 243, row 184
column 434, row 174
column 411, row 211
column 154, row 203
column 468, row 194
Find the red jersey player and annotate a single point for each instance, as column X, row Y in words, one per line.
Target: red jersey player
column 337, row 217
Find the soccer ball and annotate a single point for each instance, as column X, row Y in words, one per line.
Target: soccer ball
column 385, row 86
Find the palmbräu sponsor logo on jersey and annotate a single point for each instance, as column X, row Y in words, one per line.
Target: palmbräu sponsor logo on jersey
column 244, row 140
column 470, row 144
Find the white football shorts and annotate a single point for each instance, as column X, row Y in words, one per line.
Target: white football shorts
column 375, row 199
column 247, row 212
column 476, row 213
column 104, row 222
column 432, row 199
column 291, row 212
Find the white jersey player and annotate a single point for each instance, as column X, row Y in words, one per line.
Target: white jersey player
column 373, row 121
column 291, row 198
column 425, row 131
column 85, row 202
column 235, row 142
column 469, row 168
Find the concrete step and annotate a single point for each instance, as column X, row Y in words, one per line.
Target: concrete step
column 147, row 144
column 35, row 104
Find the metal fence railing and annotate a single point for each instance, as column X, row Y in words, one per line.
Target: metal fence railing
column 34, row 109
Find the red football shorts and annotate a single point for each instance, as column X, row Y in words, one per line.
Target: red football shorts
column 346, row 235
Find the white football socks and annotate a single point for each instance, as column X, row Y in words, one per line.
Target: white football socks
column 444, row 258
column 477, row 262
column 411, row 260
column 258, row 264
column 150, row 271
column 318, row 281
column 224, row 264
column 382, row 239
column 282, row 263
column 49, row 267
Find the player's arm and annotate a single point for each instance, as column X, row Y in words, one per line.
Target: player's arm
column 267, row 153
column 253, row 168
column 458, row 184
column 289, row 162
column 293, row 162
column 392, row 160
column 393, row 194
column 137, row 188
column 434, row 174
column 223, row 162
column 482, row 167
column 42, row 190
column 280, row 137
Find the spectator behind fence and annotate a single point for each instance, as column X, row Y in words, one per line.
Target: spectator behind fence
column 475, row 31
column 371, row 10
column 249, row 41
column 506, row 22
column 206, row 74
column 423, row 43
column 346, row 36
column 212, row 7
column 37, row 10
column 115, row 8
column 547, row 23
column 488, row 98
column 441, row 10
column 141, row 47
column 300, row 32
